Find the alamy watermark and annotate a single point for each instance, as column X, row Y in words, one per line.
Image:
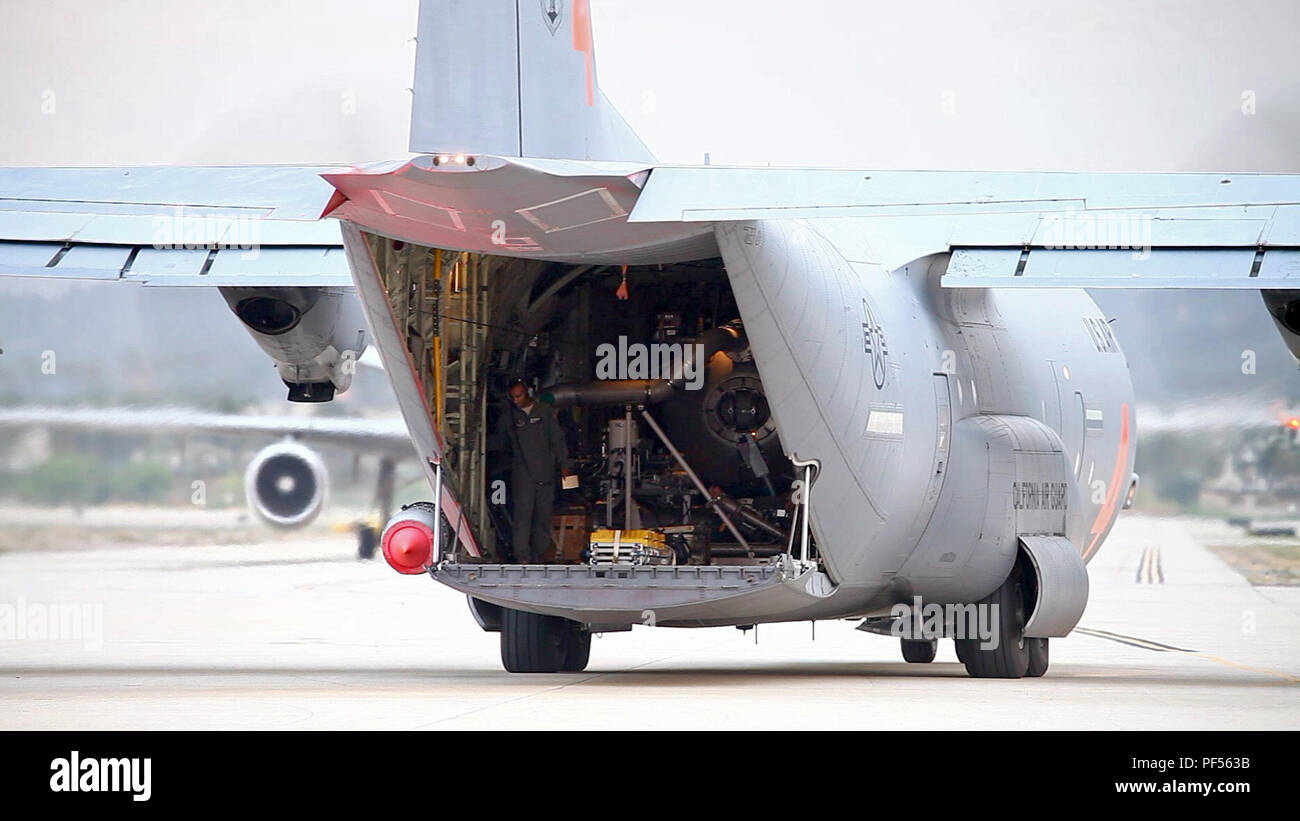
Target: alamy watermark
column 1089, row 230
column 74, row 773
column 24, row 620
column 658, row 360
column 920, row 621
column 184, row 230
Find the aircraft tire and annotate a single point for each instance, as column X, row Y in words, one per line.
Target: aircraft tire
column 961, row 650
column 919, row 651
column 367, row 543
column 1038, row 657
column 1010, row 659
column 577, row 650
column 533, row 643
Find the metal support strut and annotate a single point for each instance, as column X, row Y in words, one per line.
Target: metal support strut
column 803, row 498
column 681, row 460
column 627, row 468
column 437, row 512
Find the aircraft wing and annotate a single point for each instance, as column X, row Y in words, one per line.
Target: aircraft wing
column 238, row 225
column 1025, row 229
column 1202, row 229
column 1000, row 229
column 716, row 193
column 258, row 226
column 386, row 434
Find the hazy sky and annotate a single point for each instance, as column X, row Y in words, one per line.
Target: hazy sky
column 1103, row 84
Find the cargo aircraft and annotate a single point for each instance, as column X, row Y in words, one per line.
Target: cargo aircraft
column 908, row 396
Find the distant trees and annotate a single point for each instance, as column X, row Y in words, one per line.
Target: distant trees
column 82, row 480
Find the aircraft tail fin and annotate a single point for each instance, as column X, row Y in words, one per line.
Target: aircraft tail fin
column 514, row 78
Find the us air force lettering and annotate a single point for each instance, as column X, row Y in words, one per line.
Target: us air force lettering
column 906, row 399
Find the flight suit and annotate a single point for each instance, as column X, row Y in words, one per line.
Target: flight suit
column 538, row 452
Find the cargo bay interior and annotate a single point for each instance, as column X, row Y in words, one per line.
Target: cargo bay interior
column 617, row 351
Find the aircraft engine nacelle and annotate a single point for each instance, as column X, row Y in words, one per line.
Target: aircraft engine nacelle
column 314, row 335
column 1284, row 306
column 286, row 485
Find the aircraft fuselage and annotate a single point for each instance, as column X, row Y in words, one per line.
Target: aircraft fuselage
column 947, row 422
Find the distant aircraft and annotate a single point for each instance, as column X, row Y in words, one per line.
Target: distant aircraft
column 907, row 395
column 286, row 484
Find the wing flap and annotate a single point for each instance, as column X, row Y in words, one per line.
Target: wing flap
column 298, row 265
column 1225, row 268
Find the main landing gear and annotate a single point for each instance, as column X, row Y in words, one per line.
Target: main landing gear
column 533, row 643
column 1016, row 655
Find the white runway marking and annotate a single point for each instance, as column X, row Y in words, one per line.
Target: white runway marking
column 1150, row 570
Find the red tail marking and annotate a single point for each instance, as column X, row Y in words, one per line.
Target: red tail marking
column 582, row 42
column 1107, row 512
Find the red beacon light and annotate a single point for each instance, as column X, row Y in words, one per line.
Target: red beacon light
column 408, row 542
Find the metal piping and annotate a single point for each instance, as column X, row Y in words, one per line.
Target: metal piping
column 711, row 502
column 620, row 392
column 749, row 516
column 644, row 391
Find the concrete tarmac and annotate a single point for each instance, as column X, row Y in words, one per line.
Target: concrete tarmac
column 298, row 635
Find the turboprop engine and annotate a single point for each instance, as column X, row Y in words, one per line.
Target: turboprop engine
column 314, row 335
